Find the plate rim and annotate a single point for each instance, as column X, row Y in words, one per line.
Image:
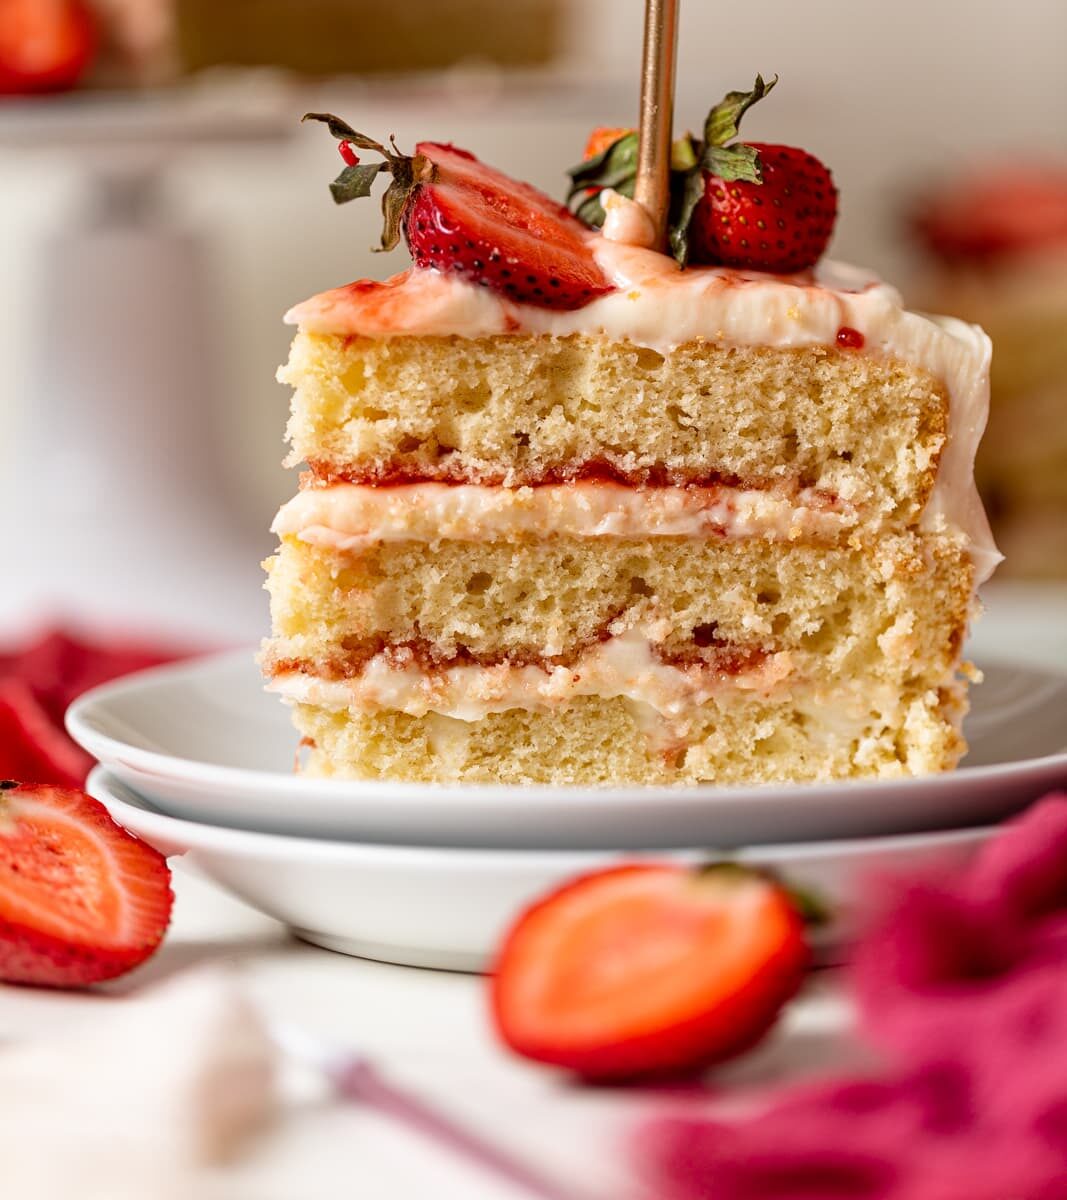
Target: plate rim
column 230, row 839
column 224, row 778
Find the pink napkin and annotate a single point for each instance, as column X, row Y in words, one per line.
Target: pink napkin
column 963, row 985
column 37, row 682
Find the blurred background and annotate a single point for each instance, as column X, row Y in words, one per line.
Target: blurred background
column 161, row 207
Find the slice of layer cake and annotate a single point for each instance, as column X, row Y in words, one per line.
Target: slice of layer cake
column 577, row 514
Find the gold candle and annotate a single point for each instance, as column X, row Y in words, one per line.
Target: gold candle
column 652, row 188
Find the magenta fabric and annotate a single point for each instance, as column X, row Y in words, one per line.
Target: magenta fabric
column 962, row 983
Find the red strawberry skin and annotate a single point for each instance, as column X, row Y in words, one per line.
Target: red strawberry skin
column 500, row 233
column 783, row 224
column 81, row 900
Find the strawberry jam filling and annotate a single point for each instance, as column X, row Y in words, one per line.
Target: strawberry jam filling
column 628, row 666
column 706, row 651
column 397, row 473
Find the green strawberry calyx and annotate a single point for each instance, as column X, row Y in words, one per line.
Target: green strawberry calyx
column 717, row 153
column 355, row 182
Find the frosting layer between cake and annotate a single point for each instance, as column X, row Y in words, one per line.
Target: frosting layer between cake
column 349, row 517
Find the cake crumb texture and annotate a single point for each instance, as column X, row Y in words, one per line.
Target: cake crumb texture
column 895, row 610
column 522, row 409
column 809, row 735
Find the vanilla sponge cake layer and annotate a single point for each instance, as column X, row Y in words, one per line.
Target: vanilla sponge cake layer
column 808, row 734
column 867, row 429
column 893, row 610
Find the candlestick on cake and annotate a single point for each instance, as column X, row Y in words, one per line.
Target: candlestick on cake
column 581, row 511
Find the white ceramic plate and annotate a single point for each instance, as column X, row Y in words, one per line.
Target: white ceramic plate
column 202, row 741
column 447, row 907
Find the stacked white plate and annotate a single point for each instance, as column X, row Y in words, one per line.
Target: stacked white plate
column 198, row 760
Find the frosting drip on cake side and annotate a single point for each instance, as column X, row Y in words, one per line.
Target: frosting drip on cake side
column 349, row 517
column 658, row 305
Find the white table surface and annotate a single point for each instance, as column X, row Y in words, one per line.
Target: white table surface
column 428, row 1031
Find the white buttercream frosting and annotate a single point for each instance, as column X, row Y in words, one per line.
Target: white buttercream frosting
column 656, row 304
column 348, row 517
column 626, row 220
column 625, row 665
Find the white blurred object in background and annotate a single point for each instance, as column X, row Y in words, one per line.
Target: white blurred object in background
column 116, row 503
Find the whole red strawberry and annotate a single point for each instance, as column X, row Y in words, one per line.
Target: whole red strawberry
column 461, row 216
column 45, row 45
column 993, row 213
column 782, row 224
column 757, row 206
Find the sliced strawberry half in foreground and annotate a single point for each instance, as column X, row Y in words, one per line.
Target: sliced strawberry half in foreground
column 459, row 215
column 648, row 969
column 81, row 900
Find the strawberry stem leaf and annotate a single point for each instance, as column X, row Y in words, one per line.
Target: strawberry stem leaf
column 394, row 202
column 684, row 202
column 355, row 182
column 614, row 167
column 730, row 870
column 345, row 133
column 733, row 162
column 684, row 153
column 724, row 120
column 591, row 211
column 812, row 909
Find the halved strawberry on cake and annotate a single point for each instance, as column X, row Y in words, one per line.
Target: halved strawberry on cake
column 579, row 513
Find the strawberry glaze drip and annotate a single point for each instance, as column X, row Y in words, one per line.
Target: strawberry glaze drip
column 849, row 338
column 323, row 474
